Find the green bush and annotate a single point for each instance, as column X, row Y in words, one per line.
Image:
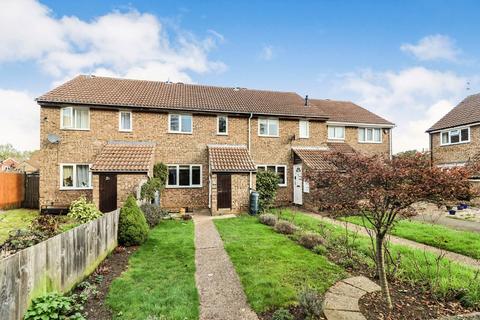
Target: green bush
column 311, row 303
column 132, row 226
column 267, row 185
column 285, row 227
column 83, row 211
column 54, row 306
column 153, row 213
column 268, row 219
column 149, row 188
column 320, row 249
column 282, row 314
column 160, row 171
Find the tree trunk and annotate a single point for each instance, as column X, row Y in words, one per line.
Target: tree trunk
column 380, row 257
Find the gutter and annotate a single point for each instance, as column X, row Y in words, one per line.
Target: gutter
column 249, row 145
column 391, row 143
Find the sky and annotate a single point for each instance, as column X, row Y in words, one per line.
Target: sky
column 408, row 61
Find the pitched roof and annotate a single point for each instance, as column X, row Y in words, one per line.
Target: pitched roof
column 230, row 158
column 345, row 111
column 466, row 112
column 125, row 156
column 92, row 90
column 317, row 158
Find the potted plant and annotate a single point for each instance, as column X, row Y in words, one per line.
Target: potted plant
column 452, row 212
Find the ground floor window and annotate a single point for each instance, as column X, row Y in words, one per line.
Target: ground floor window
column 280, row 170
column 184, row 175
column 75, row 176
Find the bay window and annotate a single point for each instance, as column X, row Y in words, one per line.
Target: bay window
column 184, row 176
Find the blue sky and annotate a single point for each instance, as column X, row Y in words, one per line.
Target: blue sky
column 409, row 61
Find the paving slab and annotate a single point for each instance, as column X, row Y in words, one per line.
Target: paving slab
column 344, row 289
column 363, row 283
column 337, row 302
column 220, row 290
column 343, row 315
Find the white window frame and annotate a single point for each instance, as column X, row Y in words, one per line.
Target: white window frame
column 190, row 186
column 180, row 115
column 334, row 131
column 218, row 125
column 276, row 171
column 268, row 127
column 120, row 121
column 373, row 135
column 74, row 173
column 307, row 123
column 72, row 127
column 449, row 131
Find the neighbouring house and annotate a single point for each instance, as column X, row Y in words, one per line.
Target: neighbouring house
column 9, row 165
column 454, row 139
column 30, row 165
column 101, row 136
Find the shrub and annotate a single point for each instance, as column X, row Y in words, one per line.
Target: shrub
column 149, row 188
column 153, row 213
column 160, row 171
column 310, row 240
column 320, row 249
column 285, row 227
column 267, row 185
column 46, row 224
column 54, row 306
column 282, row 314
column 22, row 238
column 132, row 226
column 83, row 211
column 268, row 219
column 311, row 303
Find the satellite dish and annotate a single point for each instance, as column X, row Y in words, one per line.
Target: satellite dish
column 53, row 138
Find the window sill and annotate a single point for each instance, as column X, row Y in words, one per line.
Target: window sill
column 303, row 137
column 126, row 131
column 222, row 134
column 178, row 132
column 183, row 187
column 73, row 129
column 453, row 144
column 370, row 142
column 265, row 136
column 335, row 140
column 75, row 189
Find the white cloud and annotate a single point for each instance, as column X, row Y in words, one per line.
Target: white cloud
column 414, row 99
column 20, row 120
column 120, row 43
column 267, row 53
column 433, row 47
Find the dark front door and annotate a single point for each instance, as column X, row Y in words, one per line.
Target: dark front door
column 224, row 190
column 108, row 192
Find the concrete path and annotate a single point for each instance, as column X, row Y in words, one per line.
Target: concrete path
column 396, row 240
column 221, row 294
column 457, row 224
column 341, row 300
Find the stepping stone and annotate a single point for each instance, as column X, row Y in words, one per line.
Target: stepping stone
column 344, row 289
column 343, row 315
column 363, row 283
column 338, row 302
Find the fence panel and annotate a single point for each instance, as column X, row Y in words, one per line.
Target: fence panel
column 56, row 264
column 11, row 190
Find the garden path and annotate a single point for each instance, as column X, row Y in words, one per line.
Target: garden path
column 221, row 293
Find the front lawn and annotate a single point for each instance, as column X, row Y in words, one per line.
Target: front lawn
column 15, row 219
column 272, row 268
column 463, row 242
column 446, row 279
column 160, row 280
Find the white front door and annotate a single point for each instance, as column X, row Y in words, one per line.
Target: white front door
column 297, row 184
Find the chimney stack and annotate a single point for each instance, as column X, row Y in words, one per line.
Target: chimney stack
column 306, row 100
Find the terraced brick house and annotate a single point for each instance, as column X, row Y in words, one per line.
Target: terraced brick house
column 101, row 136
column 455, row 138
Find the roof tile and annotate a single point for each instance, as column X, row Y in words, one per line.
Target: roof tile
column 230, row 158
column 125, row 156
column 466, row 112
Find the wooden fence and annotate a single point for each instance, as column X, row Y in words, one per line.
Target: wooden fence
column 32, row 191
column 11, row 190
column 56, row 264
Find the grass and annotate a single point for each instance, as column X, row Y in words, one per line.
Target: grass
column 160, row 280
column 15, row 219
column 463, row 242
column 416, row 266
column 272, row 268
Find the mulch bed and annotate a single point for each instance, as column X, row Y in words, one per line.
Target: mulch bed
column 102, row 277
column 295, row 311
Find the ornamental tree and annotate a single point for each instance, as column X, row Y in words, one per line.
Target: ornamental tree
column 380, row 190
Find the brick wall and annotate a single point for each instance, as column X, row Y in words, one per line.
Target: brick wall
column 240, row 193
column 457, row 152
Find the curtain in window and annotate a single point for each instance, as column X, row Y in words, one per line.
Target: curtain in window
column 272, row 127
column 361, row 134
column 81, row 118
column 67, row 117
column 125, row 120
column 83, row 176
column 186, row 123
column 67, row 176
column 376, row 133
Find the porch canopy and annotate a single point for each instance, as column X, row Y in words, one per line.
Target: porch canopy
column 230, row 158
column 125, row 156
column 317, row 157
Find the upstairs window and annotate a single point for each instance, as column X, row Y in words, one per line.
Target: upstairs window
column 304, row 129
column 222, row 125
column 336, row 133
column 280, row 170
column 370, row 135
column 125, row 121
column 75, row 176
column 75, row 118
column 455, row 136
column 268, row 127
column 184, row 176
column 180, row 123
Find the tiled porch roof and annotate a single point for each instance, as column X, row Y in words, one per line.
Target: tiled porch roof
column 125, row 156
column 230, row 158
column 317, row 157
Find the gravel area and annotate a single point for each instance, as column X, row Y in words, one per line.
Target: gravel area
column 221, row 293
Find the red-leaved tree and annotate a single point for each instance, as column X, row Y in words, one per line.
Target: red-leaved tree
column 381, row 190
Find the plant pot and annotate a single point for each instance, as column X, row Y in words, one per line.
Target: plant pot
column 452, row 212
column 465, row 206
column 460, row 207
